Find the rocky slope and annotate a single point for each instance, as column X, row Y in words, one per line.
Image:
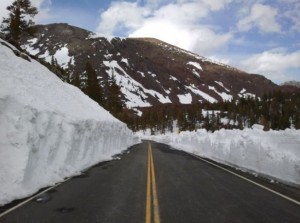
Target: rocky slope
column 149, row 71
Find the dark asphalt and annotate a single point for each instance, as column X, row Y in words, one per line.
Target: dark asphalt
column 189, row 190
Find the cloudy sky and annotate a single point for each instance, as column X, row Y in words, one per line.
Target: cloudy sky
column 258, row 36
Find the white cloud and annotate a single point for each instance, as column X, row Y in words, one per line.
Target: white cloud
column 294, row 15
column 261, row 16
column 198, row 39
column 177, row 22
column 121, row 15
column 273, row 64
column 186, row 13
column 201, row 40
column 216, row 5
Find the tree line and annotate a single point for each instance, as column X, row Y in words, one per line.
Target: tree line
column 276, row 111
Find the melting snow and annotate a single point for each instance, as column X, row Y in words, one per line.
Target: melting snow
column 223, row 95
column 222, row 85
column 152, row 74
column 243, row 94
column 108, row 56
column 195, row 64
column 185, row 98
column 29, row 47
column 243, row 91
column 202, row 94
column 46, row 56
column 133, row 90
column 125, row 61
column 173, row 78
column 62, row 57
column 141, row 73
column 196, row 73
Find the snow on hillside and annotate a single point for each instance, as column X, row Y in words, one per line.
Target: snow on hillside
column 133, row 90
column 49, row 130
column 275, row 154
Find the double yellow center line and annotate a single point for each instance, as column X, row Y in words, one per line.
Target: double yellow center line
column 151, row 184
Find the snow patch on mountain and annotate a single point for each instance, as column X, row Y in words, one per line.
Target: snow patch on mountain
column 223, row 95
column 185, row 98
column 244, row 94
column 195, row 64
column 49, row 129
column 63, row 58
column 29, row 47
column 125, row 60
column 196, row 73
column 141, row 73
column 222, row 85
column 173, row 78
column 202, row 94
column 134, row 92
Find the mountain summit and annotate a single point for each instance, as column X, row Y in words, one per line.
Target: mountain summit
column 148, row 71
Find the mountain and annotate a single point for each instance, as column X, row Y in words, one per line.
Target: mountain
column 291, row 83
column 148, row 71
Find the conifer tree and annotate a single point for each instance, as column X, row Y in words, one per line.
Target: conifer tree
column 114, row 103
column 76, row 80
column 17, row 20
column 93, row 87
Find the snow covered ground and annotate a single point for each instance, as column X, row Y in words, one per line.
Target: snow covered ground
column 49, row 130
column 275, row 154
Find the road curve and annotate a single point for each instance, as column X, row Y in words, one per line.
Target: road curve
column 185, row 188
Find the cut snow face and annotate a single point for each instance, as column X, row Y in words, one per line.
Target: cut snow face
column 49, row 129
column 274, row 154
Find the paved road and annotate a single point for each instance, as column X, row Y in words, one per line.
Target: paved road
column 156, row 184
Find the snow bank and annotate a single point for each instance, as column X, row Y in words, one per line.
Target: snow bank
column 49, row 130
column 275, row 154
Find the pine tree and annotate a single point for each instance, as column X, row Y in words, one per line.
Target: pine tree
column 114, row 103
column 93, row 87
column 17, row 20
column 76, row 80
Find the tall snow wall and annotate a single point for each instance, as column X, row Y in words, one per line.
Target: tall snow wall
column 49, row 130
column 275, row 154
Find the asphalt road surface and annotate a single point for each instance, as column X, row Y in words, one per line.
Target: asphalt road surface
column 152, row 183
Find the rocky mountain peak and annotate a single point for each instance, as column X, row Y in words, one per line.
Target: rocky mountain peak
column 148, row 71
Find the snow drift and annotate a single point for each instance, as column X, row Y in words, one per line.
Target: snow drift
column 49, row 130
column 274, row 154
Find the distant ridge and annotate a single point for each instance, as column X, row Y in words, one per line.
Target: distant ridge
column 148, row 71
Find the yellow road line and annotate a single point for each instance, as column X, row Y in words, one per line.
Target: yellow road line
column 154, row 191
column 148, row 197
column 151, row 184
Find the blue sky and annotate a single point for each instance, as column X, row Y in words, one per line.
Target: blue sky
column 258, row 36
